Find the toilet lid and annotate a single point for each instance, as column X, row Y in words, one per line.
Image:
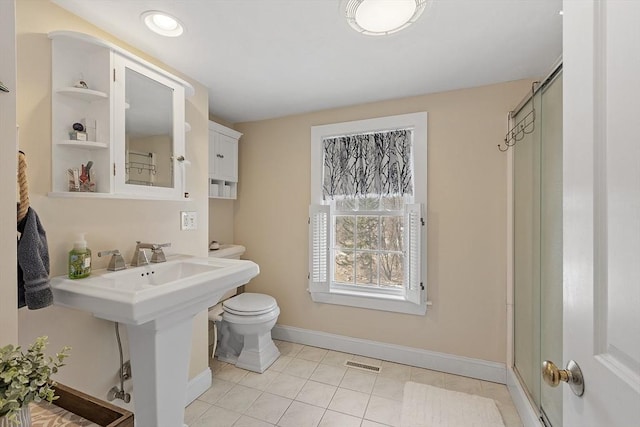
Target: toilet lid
column 249, row 304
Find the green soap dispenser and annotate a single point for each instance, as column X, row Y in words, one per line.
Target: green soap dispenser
column 79, row 259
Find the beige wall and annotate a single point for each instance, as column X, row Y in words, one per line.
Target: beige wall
column 109, row 224
column 8, row 293
column 465, row 222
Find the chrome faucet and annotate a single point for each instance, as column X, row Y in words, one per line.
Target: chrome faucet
column 140, row 256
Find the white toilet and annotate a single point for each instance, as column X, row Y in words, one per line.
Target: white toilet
column 243, row 324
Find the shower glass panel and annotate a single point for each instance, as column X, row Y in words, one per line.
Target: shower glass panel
column 551, row 243
column 527, row 254
column 538, row 248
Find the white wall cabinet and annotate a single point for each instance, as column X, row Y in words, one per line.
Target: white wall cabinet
column 126, row 104
column 223, row 161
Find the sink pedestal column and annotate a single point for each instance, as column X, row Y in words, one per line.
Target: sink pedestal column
column 160, row 352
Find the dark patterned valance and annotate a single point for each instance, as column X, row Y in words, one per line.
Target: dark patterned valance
column 372, row 164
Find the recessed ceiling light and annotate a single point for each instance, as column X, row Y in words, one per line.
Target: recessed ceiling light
column 380, row 17
column 162, row 23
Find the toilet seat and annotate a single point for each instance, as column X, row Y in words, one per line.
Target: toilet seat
column 244, row 319
column 250, row 304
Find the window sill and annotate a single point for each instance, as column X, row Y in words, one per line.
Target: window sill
column 381, row 302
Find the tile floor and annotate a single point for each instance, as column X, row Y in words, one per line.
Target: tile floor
column 311, row 387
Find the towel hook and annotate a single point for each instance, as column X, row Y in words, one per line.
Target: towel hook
column 524, row 127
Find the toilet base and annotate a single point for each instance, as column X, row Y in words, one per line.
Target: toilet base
column 252, row 360
column 259, row 352
column 229, row 358
column 253, row 352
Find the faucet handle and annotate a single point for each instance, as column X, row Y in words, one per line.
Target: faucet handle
column 157, row 253
column 116, row 262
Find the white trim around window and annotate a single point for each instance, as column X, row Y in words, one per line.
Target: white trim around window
column 414, row 301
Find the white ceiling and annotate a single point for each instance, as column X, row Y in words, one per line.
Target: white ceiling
column 271, row 58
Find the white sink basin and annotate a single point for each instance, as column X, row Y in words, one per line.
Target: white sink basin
column 157, row 302
column 141, row 294
column 154, row 275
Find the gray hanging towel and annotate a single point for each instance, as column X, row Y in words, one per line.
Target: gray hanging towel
column 34, row 288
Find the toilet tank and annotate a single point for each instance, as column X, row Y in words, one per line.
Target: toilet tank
column 228, row 251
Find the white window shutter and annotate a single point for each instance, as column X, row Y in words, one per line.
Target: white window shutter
column 319, row 241
column 413, row 222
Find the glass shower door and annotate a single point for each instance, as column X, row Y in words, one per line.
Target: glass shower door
column 538, row 247
column 527, row 253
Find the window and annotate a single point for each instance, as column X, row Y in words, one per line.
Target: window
column 366, row 219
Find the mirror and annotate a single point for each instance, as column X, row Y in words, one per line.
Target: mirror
column 149, row 131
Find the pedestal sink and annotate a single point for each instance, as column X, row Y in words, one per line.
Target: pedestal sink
column 157, row 303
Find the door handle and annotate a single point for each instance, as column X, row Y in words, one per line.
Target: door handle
column 572, row 375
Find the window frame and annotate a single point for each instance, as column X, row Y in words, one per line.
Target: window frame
column 347, row 295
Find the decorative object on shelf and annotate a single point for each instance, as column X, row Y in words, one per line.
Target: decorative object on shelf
column 25, row 378
column 81, row 84
column 78, row 133
column 78, row 136
column 83, row 179
column 90, row 126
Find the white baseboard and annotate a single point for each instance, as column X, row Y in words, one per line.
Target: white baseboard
column 527, row 413
column 458, row 365
column 198, row 385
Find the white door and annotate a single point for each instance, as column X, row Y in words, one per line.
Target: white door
column 601, row 210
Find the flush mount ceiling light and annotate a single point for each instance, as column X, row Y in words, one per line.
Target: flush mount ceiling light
column 162, row 23
column 380, row 17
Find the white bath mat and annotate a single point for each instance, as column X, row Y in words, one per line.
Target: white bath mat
column 427, row 406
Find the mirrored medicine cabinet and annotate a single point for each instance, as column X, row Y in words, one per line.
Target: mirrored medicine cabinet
column 118, row 122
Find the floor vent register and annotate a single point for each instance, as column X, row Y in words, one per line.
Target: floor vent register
column 362, row 366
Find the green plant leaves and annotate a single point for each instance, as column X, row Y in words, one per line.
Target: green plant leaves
column 26, row 377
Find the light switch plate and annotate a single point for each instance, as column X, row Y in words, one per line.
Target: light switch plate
column 188, row 220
